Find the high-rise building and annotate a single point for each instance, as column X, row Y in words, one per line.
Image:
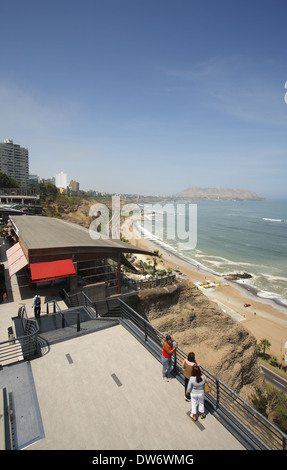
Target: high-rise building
column 14, row 162
column 61, row 180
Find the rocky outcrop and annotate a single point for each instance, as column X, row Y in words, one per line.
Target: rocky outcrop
column 237, row 276
column 220, row 343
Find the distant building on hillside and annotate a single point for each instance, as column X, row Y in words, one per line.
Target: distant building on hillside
column 14, row 162
column 74, row 187
column 48, row 180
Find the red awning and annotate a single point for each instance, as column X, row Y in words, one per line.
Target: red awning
column 16, row 259
column 52, row 270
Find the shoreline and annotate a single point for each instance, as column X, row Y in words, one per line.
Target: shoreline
column 263, row 318
column 251, row 289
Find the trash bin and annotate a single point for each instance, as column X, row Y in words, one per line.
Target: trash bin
column 11, row 336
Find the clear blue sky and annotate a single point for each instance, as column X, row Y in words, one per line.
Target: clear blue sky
column 148, row 96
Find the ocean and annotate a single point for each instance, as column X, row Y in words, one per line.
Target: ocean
column 231, row 237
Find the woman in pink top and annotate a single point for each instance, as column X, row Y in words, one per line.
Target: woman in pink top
column 187, row 366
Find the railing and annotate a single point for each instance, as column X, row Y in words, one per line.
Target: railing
column 22, row 347
column 76, row 314
column 55, row 307
column 148, row 283
column 240, row 417
column 77, row 299
column 18, row 192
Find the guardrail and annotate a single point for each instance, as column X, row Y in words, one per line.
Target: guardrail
column 77, row 299
column 142, row 284
column 23, row 347
column 55, row 307
column 249, row 426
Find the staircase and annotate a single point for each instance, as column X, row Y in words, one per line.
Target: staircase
column 68, row 324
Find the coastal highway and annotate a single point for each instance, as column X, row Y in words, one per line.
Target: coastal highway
column 275, row 379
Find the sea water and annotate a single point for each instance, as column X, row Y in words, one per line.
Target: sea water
column 235, row 237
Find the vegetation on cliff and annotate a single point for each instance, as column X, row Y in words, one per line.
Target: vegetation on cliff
column 73, row 208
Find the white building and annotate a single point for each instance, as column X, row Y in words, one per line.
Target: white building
column 61, row 180
column 14, row 162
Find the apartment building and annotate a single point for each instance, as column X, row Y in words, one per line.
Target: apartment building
column 14, row 162
column 61, row 180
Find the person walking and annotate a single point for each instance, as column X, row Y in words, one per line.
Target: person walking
column 187, row 367
column 195, row 388
column 37, row 305
column 169, row 346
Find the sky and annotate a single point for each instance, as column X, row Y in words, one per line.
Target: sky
column 148, row 96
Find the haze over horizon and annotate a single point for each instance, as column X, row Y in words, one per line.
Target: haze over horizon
column 148, row 97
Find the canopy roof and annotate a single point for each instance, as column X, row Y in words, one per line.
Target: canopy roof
column 52, row 270
column 16, row 259
column 49, row 239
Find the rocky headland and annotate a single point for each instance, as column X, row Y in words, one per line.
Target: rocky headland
column 217, row 194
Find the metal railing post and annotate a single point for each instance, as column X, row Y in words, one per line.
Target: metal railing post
column 217, row 395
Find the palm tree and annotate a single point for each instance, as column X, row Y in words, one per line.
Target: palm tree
column 156, row 256
column 142, row 266
column 263, row 345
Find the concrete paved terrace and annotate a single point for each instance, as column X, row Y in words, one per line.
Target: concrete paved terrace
column 105, row 391
column 101, row 391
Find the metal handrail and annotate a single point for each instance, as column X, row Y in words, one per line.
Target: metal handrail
column 240, row 416
column 21, row 347
column 56, row 308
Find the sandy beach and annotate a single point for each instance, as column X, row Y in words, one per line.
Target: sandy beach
column 262, row 318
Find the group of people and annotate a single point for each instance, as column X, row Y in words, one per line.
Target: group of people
column 194, row 379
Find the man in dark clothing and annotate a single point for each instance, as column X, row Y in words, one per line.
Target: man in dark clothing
column 37, row 305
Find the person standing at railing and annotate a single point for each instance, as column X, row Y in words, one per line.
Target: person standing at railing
column 187, row 367
column 195, row 388
column 37, row 305
column 169, row 346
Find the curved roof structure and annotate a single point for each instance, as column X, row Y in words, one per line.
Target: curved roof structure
column 52, row 248
column 49, row 239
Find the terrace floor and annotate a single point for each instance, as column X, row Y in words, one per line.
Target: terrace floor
column 101, row 391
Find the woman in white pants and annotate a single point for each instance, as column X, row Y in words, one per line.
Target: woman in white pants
column 195, row 388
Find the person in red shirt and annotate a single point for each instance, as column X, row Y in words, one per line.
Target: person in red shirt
column 169, row 346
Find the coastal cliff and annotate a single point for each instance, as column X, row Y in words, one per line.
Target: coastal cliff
column 220, row 343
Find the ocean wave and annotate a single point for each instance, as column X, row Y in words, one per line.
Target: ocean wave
column 193, row 262
column 271, row 277
column 253, row 288
column 274, row 220
column 272, row 296
column 220, row 266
